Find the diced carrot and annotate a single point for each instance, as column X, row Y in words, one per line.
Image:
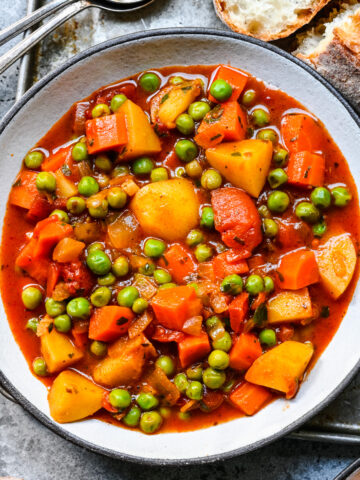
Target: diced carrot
column 40, row 208
column 228, row 263
column 224, row 122
column 44, row 223
column 106, row 133
column 24, row 189
column 56, row 160
column 192, row 349
column 245, row 350
column 238, row 310
column 297, row 269
column 173, row 306
column 164, row 335
column 212, row 400
column 179, row 261
column 235, row 77
column 68, row 250
column 36, row 268
column 52, row 279
column 249, row 398
column 80, row 338
column 306, row 169
column 301, row 132
column 49, row 236
column 110, row 322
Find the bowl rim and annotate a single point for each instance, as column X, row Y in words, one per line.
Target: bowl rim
column 163, row 32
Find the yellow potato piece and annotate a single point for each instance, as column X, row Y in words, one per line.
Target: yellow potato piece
column 142, row 140
column 58, row 351
column 167, row 209
column 125, row 231
column 245, row 164
column 289, row 306
column 336, row 261
column 64, row 187
column 73, row 397
column 282, row 367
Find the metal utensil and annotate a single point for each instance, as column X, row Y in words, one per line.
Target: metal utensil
column 67, row 9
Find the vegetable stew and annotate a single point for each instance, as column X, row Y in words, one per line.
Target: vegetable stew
column 178, row 250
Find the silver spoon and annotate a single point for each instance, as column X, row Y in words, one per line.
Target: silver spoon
column 68, row 9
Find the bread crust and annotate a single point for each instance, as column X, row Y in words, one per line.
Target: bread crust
column 303, row 19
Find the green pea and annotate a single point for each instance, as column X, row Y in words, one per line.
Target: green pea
column 140, row 305
column 219, row 359
column 268, row 284
column 248, row 97
column 119, row 398
column 132, row 417
column 34, row 159
column 278, row 201
column 159, row 174
column 268, row 337
column 164, row 286
column 95, row 246
column 260, row 117
column 203, row 252
column 99, row 349
column 127, row 296
column 181, row 382
column 39, row 367
column 319, row 229
column 228, row 386
column 79, row 308
column 117, row 101
column 267, row 135
column 186, row 150
column 150, row 422
column 120, row 171
column 194, row 237
column 107, row 280
column 117, row 198
column 76, row 205
column 213, row 322
column 79, row 152
column 221, row 90
column 88, row 186
column 211, row 179
column 149, row 82
column 31, row 297
column 213, row 379
column 45, row 181
column 321, row 197
column 120, row 267
column 307, row 211
column 193, row 169
column 194, row 372
column 142, row 166
column 280, row 157
column 103, row 163
column 207, row 217
column 98, row 208
column 162, row 276
column 101, row 297
column 198, row 110
column 184, row 416
column 223, row 343
column 147, row 401
column 232, row 284
column 54, row 308
column 254, row 284
column 341, row 196
column 99, row 110
column 61, row 215
column 98, row 262
column 154, row 248
column 62, row 323
column 176, row 80
column 147, row 269
column 277, row 177
column 32, row 324
column 185, row 124
column 194, row 390
column 264, row 212
column 166, row 364
column 270, row 228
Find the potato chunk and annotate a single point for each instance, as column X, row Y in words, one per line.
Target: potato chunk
column 168, row 209
column 290, row 306
column 282, row 367
column 58, row 351
column 336, row 260
column 73, row 397
column 245, row 164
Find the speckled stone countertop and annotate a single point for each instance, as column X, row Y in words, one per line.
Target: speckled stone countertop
column 31, row 452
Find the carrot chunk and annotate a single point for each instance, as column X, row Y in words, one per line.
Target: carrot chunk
column 24, row 190
column 48, row 235
column 110, row 322
column 228, row 263
column 106, row 133
column 249, row 398
column 306, row 169
column 300, row 132
column 192, row 349
column 238, row 309
column 245, row 350
column 235, row 77
column 56, row 160
column 37, row 268
column 40, row 208
column 179, row 261
column 52, row 279
column 297, row 269
column 173, row 306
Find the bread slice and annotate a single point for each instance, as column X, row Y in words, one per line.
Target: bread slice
column 267, row 19
column 334, row 50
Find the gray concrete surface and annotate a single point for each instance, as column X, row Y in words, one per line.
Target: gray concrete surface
column 30, row 451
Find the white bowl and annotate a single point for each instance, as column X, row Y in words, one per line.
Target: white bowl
column 48, row 100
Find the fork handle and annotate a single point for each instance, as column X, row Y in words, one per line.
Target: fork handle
column 22, row 47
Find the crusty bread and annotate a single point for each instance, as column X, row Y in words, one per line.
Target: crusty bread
column 267, row 19
column 334, row 51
